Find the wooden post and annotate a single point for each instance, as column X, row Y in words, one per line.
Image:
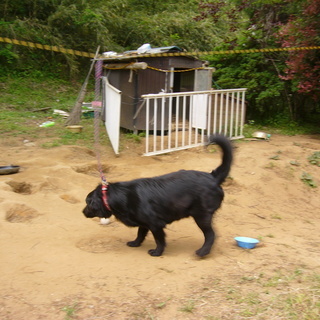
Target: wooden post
column 75, row 114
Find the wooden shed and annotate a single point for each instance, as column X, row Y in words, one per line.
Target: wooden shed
column 136, row 74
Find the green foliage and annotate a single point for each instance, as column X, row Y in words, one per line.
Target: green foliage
column 135, row 137
column 28, row 102
column 70, row 311
column 188, row 307
column 39, row 91
column 161, row 23
column 315, row 158
column 84, row 25
column 280, row 124
column 308, row 180
column 256, row 72
column 120, row 25
column 256, row 25
column 7, row 56
column 303, row 29
column 25, row 124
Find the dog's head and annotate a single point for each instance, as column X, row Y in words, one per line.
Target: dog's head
column 95, row 206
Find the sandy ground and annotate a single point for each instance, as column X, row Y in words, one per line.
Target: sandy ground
column 56, row 264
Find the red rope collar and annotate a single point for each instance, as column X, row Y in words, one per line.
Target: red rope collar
column 104, row 188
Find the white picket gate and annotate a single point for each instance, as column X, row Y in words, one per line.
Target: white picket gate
column 176, row 121
column 111, row 109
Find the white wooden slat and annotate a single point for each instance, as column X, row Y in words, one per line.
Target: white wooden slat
column 225, row 114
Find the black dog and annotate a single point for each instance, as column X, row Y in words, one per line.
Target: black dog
column 151, row 203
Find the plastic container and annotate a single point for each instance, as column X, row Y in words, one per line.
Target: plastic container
column 246, row 243
column 75, row 129
column 88, row 114
column 261, row 135
column 9, row 169
column 47, row 124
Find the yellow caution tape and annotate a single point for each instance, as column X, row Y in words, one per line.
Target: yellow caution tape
column 175, row 71
column 205, row 53
column 47, row 47
column 145, row 55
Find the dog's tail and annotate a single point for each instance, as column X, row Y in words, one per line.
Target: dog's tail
column 223, row 170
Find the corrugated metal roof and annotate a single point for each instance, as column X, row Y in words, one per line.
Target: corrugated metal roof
column 111, row 55
column 162, row 50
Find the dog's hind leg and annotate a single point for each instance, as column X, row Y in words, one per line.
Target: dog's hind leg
column 204, row 223
column 159, row 237
column 142, row 232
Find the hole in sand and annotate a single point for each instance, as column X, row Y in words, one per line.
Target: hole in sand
column 21, row 213
column 69, row 198
column 20, row 187
column 231, row 186
column 91, row 169
column 82, row 152
column 98, row 245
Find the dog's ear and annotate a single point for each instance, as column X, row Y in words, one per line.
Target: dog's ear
column 93, row 200
column 89, row 198
column 95, row 206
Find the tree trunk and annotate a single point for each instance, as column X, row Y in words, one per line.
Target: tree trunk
column 75, row 114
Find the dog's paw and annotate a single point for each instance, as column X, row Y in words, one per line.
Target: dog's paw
column 133, row 244
column 154, row 253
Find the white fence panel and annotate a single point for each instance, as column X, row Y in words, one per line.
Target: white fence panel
column 199, row 111
column 112, row 109
column 176, row 121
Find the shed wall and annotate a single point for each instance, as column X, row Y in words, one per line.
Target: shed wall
column 135, row 83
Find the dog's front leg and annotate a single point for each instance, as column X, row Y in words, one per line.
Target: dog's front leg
column 159, row 237
column 142, row 232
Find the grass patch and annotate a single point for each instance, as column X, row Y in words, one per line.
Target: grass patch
column 162, row 305
column 295, row 163
column 134, row 137
column 315, row 158
column 22, row 99
column 287, row 127
column 15, row 123
column 188, row 307
column 27, row 94
column 276, row 157
column 70, row 311
column 131, row 136
column 291, row 295
column 308, row 180
column 270, row 235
